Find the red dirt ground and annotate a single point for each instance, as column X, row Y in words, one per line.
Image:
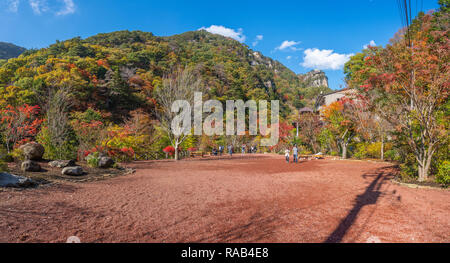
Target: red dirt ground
column 251, row 199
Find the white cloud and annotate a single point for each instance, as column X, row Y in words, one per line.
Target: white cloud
column 13, row 5
column 257, row 39
column 289, row 45
column 372, row 44
column 324, row 59
column 37, row 6
column 69, row 8
column 42, row 6
column 226, row 32
column 288, row 57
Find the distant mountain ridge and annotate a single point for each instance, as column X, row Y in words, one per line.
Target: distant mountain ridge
column 8, row 50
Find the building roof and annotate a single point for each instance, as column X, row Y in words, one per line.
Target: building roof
column 336, row 91
column 306, row 109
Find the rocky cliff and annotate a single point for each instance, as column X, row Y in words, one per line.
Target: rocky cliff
column 314, row 78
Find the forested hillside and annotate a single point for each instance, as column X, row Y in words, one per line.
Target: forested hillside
column 117, row 72
column 8, row 50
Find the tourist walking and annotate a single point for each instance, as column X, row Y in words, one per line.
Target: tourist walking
column 287, row 155
column 230, row 150
column 295, row 153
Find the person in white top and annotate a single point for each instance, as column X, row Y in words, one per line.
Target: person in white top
column 287, row 152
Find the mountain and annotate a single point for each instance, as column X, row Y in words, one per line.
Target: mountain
column 8, row 50
column 117, row 72
column 315, row 78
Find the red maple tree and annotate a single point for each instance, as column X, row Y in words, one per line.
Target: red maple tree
column 19, row 125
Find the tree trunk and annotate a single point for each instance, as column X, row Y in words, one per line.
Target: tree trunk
column 313, row 147
column 422, row 173
column 425, row 164
column 177, row 153
column 344, row 150
column 177, row 157
column 382, row 147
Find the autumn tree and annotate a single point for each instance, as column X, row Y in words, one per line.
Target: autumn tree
column 142, row 126
column 179, row 85
column 410, row 84
column 338, row 117
column 90, row 129
column 309, row 130
column 19, row 125
column 58, row 126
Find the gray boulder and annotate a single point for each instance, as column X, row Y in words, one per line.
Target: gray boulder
column 62, row 164
column 33, row 151
column 30, row 166
column 105, row 162
column 10, row 180
column 73, row 171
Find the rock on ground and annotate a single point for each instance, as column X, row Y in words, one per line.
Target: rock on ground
column 73, row 171
column 62, row 163
column 105, row 162
column 10, row 180
column 30, row 166
column 33, row 151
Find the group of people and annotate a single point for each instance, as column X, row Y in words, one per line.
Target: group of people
column 244, row 149
column 294, row 153
column 220, row 151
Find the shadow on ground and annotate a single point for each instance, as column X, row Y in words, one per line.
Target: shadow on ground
column 369, row 197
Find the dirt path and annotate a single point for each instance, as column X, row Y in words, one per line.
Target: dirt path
column 260, row 199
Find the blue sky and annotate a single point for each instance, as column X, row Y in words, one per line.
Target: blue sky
column 303, row 35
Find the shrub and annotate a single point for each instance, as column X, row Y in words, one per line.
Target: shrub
column 440, row 158
column 409, row 169
column 66, row 151
column 189, row 143
column 3, row 165
column 5, row 156
column 88, row 116
column 374, row 150
column 391, row 155
column 90, row 129
column 306, row 152
column 170, row 150
column 121, row 143
column 19, row 125
column 370, row 150
column 92, row 159
column 325, row 140
column 18, row 154
column 89, row 134
column 361, row 151
column 443, row 175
